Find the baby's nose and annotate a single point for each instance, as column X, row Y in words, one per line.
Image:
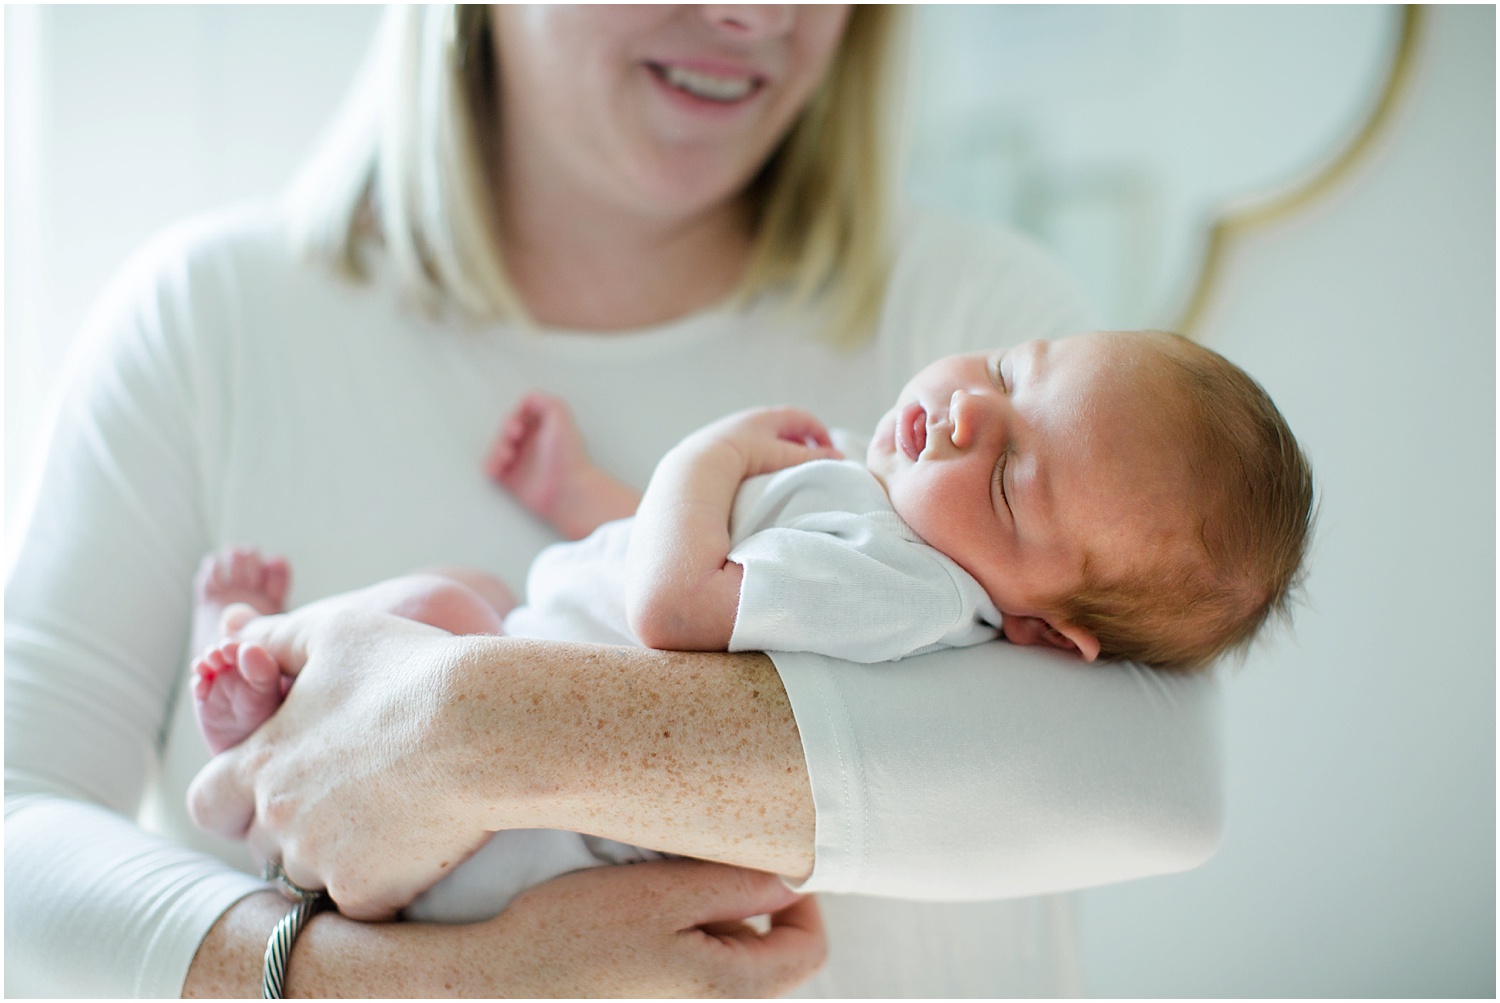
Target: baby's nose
column 974, row 416
column 969, row 413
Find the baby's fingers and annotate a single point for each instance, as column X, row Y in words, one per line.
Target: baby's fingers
column 819, row 452
column 796, row 425
column 785, row 454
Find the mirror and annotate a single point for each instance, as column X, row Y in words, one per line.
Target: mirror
column 1116, row 135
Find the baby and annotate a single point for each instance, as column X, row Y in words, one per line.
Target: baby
column 1116, row 495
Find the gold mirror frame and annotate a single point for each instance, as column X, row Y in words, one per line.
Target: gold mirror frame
column 1232, row 225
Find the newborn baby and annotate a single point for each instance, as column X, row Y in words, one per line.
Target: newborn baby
column 1115, row 494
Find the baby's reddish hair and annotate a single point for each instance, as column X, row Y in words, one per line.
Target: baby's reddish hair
column 1251, row 499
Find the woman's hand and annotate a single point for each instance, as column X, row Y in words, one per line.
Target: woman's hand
column 665, row 928
column 401, row 747
column 350, row 783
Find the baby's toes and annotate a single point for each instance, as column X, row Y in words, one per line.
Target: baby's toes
column 245, row 569
column 235, row 616
column 225, row 655
column 499, row 459
column 209, row 668
column 259, row 669
column 207, row 578
column 211, row 663
column 203, row 685
column 277, row 578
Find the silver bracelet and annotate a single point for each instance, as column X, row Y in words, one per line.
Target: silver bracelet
column 308, row 903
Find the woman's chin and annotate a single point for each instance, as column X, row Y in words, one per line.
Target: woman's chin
column 685, row 183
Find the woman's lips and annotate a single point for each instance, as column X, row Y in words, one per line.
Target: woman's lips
column 701, row 82
column 911, row 430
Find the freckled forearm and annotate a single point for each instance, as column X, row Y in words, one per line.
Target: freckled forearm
column 334, row 957
column 690, row 753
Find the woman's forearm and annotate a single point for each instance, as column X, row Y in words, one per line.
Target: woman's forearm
column 228, row 962
column 333, row 957
column 690, row 753
column 641, row 931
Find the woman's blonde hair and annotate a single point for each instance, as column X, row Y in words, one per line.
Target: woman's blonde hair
column 409, row 165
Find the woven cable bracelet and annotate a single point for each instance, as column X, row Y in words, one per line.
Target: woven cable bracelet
column 307, row 903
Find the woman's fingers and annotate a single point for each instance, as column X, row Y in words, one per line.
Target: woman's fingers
column 774, row 962
column 664, row 928
column 795, row 947
column 716, row 893
column 717, row 899
column 711, row 903
column 293, row 785
column 221, row 799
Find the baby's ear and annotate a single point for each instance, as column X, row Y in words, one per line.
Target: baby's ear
column 1035, row 630
column 1070, row 638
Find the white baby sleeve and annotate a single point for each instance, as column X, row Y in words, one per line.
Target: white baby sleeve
column 855, row 587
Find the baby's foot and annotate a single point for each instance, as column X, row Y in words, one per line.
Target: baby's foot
column 235, row 688
column 235, row 575
column 538, row 453
column 540, row 458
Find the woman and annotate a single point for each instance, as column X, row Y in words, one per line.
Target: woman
column 685, row 204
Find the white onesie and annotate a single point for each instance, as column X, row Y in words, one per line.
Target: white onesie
column 829, row 567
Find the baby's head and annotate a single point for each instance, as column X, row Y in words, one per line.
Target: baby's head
column 1119, row 494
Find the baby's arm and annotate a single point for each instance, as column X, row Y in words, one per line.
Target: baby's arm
column 539, row 457
column 682, row 591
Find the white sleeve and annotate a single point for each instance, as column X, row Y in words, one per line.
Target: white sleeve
column 997, row 771
column 96, row 619
column 843, row 584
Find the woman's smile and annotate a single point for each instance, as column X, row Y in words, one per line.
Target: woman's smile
column 661, row 111
column 706, row 82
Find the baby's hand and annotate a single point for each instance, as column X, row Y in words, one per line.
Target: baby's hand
column 539, row 454
column 770, row 439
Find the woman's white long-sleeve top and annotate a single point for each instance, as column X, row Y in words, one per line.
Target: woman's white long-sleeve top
column 225, row 392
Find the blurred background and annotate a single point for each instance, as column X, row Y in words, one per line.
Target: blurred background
column 1359, row 858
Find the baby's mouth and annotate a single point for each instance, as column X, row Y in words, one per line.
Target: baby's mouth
column 911, row 430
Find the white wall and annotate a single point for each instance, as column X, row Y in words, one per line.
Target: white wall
column 120, row 120
column 1360, row 854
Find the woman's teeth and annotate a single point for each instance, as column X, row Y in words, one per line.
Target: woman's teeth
column 710, row 88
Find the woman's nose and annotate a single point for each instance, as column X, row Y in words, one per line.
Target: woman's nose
column 749, row 21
